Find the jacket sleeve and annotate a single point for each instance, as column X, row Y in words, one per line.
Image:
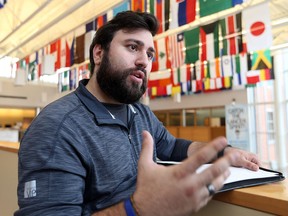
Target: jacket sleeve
column 51, row 171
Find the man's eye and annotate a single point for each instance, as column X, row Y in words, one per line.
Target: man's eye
column 133, row 47
column 150, row 55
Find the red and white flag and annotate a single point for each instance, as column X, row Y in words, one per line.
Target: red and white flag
column 258, row 26
column 176, row 45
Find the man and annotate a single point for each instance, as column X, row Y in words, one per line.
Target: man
column 93, row 151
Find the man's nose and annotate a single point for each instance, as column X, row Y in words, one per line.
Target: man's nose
column 142, row 60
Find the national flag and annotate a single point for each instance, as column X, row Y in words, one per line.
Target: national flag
column 79, row 55
column 239, row 70
column 209, row 35
column 182, row 12
column 227, row 82
column 161, row 9
column 214, row 68
column 2, row 3
column 100, row 21
column 124, row 6
column 213, row 6
column 63, row 81
column 55, row 49
column 138, row 5
column 191, row 39
column 162, row 59
column 253, row 76
column 236, row 2
column 258, row 27
column 48, row 63
column 231, row 32
column 83, row 72
column 73, row 81
column 177, row 54
column 90, row 26
column 69, row 53
column 261, row 60
column 32, row 71
column 88, row 40
column 227, row 66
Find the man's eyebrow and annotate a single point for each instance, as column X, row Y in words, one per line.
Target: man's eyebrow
column 140, row 43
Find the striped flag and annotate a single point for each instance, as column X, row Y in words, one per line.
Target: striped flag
column 213, row 6
column 100, row 21
column 79, row 56
column 253, row 76
column 231, row 31
column 138, row 5
column 239, row 70
column 176, row 45
column 2, row 3
column 161, row 9
column 182, row 12
column 210, row 41
column 227, row 66
column 55, row 49
column 124, row 6
column 191, row 39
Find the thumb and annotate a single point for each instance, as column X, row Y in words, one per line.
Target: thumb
column 146, row 156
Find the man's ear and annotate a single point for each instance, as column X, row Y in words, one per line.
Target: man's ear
column 97, row 54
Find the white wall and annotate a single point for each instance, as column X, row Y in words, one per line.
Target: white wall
column 29, row 96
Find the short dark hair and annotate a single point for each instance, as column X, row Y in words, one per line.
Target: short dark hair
column 128, row 20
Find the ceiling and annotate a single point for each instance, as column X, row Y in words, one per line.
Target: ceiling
column 26, row 26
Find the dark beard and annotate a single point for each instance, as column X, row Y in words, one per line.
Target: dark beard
column 113, row 82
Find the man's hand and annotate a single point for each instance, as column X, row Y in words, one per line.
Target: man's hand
column 178, row 189
column 247, row 159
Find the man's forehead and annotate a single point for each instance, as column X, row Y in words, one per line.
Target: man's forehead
column 141, row 36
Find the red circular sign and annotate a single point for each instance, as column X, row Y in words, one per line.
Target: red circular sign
column 257, row 28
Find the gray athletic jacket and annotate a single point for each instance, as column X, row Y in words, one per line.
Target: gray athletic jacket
column 76, row 158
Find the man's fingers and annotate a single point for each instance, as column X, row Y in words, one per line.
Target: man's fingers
column 204, row 155
column 146, row 156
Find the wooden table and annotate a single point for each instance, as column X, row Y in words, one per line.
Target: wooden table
column 9, row 146
column 269, row 198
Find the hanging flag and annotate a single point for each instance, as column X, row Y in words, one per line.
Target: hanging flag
column 236, row 2
column 182, row 12
column 261, row 60
column 55, row 49
column 227, row 67
column 239, row 70
column 69, row 49
column 209, row 35
column 100, row 21
column 88, row 40
column 214, row 68
column 258, row 27
column 253, row 76
column 161, row 9
column 231, row 32
column 2, row 3
column 213, row 6
column 73, row 82
column 79, row 55
column 162, row 60
column 48, row 63
column 124, row 6
column 176, row 45
column 138, row 5
column 191, row 39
